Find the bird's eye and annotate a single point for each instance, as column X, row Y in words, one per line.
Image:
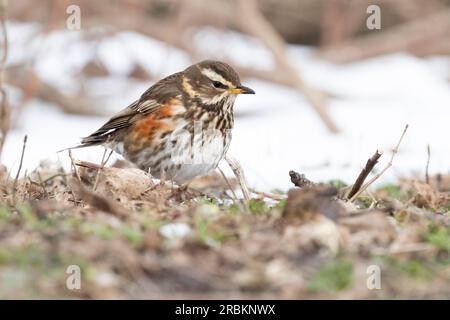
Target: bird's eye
column 218, row 84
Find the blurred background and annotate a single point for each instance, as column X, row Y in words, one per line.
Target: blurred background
column 334, row 80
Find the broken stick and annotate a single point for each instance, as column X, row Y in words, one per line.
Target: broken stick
column 394, row 152
column 299, row 180
column 364, row 173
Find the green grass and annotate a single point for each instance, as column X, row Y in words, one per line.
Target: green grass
column 258, row 206
column 337, row 183
column 394, row 191
column 335, row 276
column 439, row 236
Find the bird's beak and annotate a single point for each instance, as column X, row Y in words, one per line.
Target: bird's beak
column 241, row 90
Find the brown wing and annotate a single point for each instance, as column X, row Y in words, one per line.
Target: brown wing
column 150, row 101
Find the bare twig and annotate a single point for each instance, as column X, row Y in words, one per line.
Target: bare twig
column 61, row 174
column 364, row 173
column 73, row 163
column 102, row 165
column 394, row 152
column 416, row 36
column 86, row 164
column 254, row 23
column 16, row 179
column 299, row 180
column 272, row 196
column 42, row 185
column 427, row 177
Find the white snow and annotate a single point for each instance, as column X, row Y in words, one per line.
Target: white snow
column 175, row 230
column 276, row 129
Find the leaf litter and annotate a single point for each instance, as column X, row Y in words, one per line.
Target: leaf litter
column 134, row 237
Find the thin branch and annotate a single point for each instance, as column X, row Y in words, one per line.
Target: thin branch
column 42, row 185
column 254, row 23
column 394, row 152
column 272, row 196
column 371, row 162
column 427, row 177
column 102, row 165
column 16, row 179
column 73, row 163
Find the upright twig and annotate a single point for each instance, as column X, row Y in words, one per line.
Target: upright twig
column 394, row 152
column 427, row 177
column 102, row 165
column 42, row 184
column 364, row 173
column 4, row 109
column 16, row 179
column 74, row 167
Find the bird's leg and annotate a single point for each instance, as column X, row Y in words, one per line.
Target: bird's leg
column 239, row 173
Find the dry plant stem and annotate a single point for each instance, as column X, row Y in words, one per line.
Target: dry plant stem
column 364, row 173
column 394, row 152
column 239, row 173
column 73, row 162
column 4, row 109
column 102, row 165
column 41, row 183
column 272, row 196
column 254, row 23
column 427, row 177
column 16, row 179
column 420, row 36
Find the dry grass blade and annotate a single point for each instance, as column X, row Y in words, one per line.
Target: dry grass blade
column 102, row 165
column 394, row 152
column 73, row 164
column 427, row 177
column 16, row 179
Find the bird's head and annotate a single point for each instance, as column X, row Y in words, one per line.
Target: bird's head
column 212, row 82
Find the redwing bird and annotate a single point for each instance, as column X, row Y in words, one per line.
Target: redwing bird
column 180, row 126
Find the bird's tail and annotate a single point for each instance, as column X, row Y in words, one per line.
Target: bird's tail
column 90, row 141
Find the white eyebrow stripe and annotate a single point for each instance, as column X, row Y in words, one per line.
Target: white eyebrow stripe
column 214, row 76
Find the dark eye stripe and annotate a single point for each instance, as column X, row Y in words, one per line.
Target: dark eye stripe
column 218, row 84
